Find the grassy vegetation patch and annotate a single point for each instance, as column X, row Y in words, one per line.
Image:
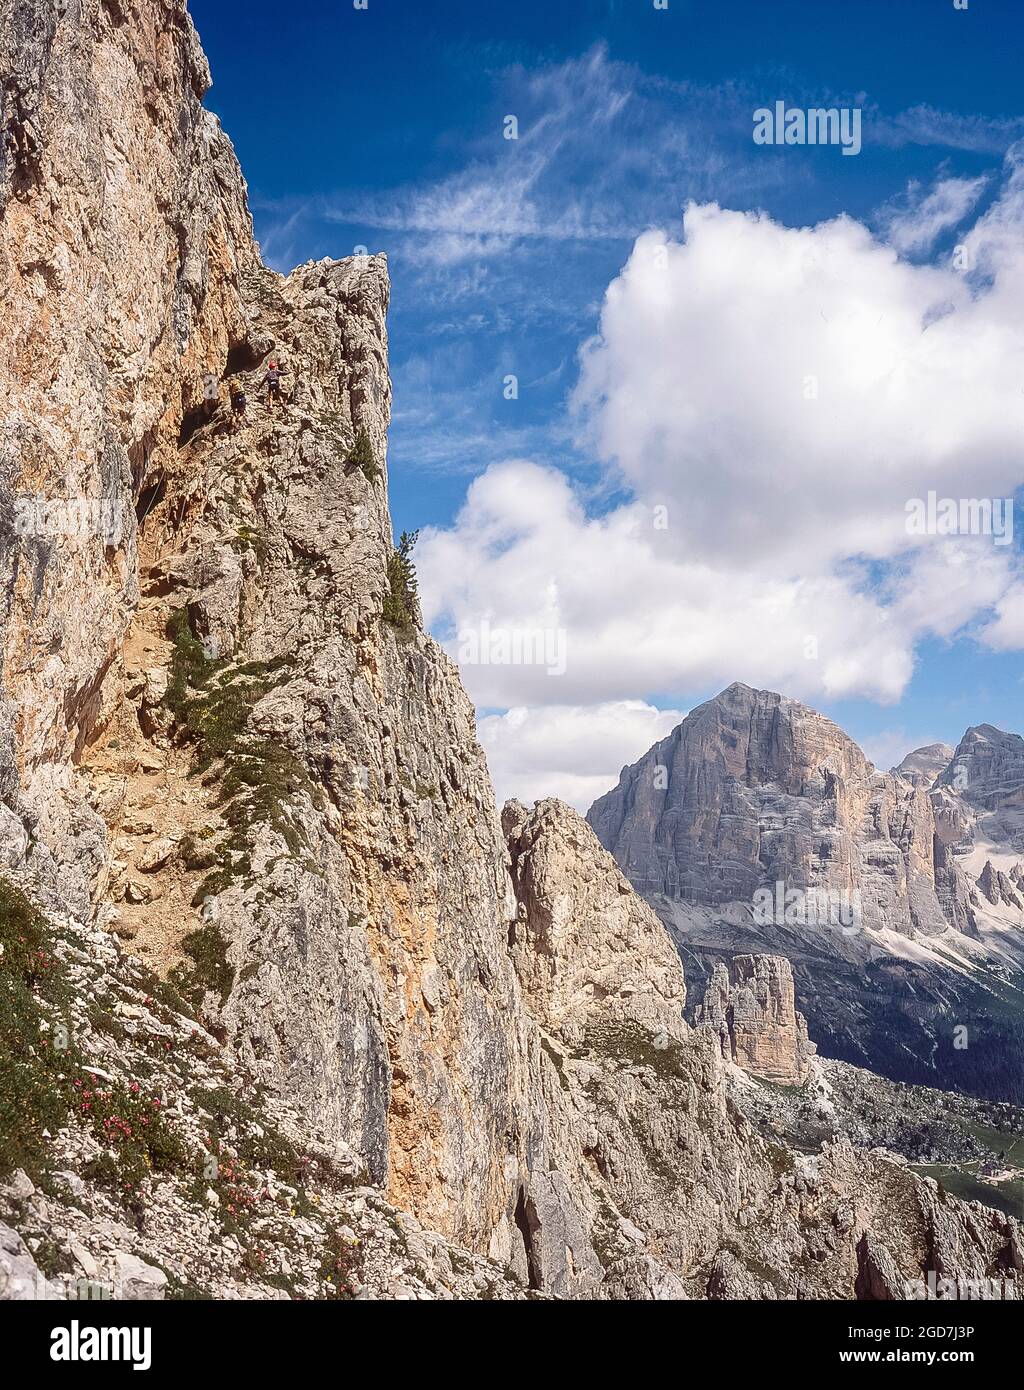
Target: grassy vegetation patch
column 35, row 1089
column 362, row 454
column 1005, row 1144
column 211, row 701
column 162, row 996
column 256, row 1141
column 208, row 967
column 129, row 1121
column 632, row 1046
column 45, row 1080
column 341, row 1268
column 211, row 698
column 1007, row 1197
column 242, row 1147
column 780, row 1160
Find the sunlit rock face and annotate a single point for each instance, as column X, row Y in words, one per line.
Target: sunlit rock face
column 759, row 827
column 750, row 1003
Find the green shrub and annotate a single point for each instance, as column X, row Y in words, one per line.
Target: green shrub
column 362, row 454
column 211, row 701
column 209, row 968
column 43, row 1076
column 129, row 1122
column 35, row 1090
column 259, row 1143
column 246, row 538
column 341, row 1269
column 257, row 789
column 191, row 668
column 634, row 1046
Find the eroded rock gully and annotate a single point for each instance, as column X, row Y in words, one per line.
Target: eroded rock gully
column 400, row 1055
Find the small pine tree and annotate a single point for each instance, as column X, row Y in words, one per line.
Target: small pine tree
column 400, row 605
column 362, row 454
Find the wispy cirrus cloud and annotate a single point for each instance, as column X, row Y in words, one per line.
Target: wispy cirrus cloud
column 280, row 236
column 604, row 149
column 474, row 213
column 914, row 223
column 927, row 125
column 601, row 150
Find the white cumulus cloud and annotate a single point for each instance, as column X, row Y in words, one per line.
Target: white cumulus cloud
column 771, row 399
column 1006, row 631
column 570, row 751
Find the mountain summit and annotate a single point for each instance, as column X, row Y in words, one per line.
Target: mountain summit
column 758, row 824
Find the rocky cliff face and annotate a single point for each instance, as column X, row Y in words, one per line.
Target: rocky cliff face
column 758, row 826
column 987, row 769
column 978, row 804
column 284, row 1014
column 220, row 751
column 753, row 789
column 924, row 765
column 124, row 243
column 750, row 1003
column 678, row 1193
column 641, row 1179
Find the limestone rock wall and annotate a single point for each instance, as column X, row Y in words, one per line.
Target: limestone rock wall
column 124, row 237
column 750, row 1004
column 350, row 867
column 753, row 789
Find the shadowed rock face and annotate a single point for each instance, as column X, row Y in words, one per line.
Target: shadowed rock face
column 750, row 1004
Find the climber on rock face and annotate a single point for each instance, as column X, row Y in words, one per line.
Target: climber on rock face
column 273, row 383
column 237, row 393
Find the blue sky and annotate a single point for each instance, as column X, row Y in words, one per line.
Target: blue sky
column 383, row 128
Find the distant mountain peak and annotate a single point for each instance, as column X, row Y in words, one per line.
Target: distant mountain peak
column 924, row 765
column 755, row 791
column 987, row 768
